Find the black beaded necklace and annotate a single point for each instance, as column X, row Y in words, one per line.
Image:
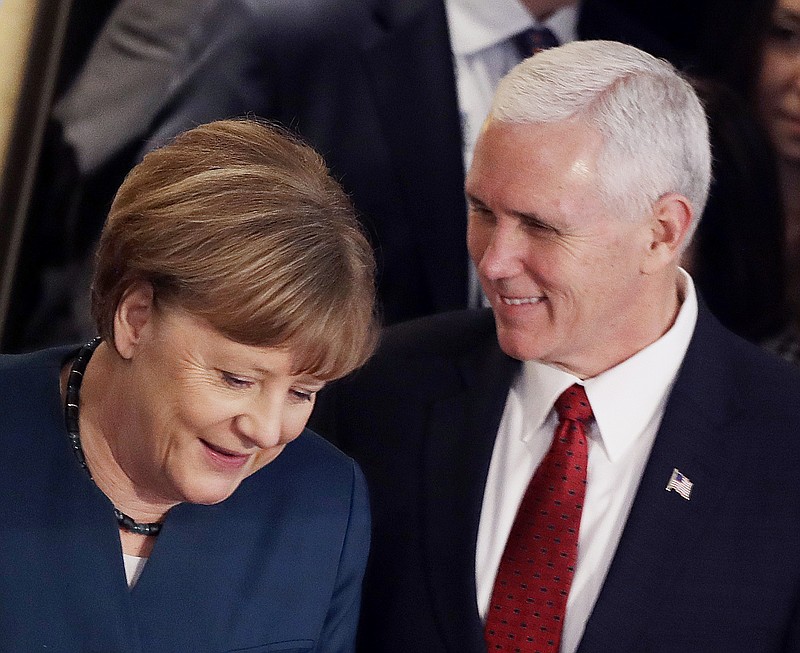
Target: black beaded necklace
column 71, row 408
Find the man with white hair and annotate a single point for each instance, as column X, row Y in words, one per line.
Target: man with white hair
column 595, row 464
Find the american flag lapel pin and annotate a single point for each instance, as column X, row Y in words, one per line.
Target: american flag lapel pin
column 680, row 484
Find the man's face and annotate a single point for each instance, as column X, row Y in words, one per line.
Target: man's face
column 563, row 274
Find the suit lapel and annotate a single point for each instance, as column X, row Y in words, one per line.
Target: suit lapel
column 662, row 526
column 459, row 448
column 411, row 70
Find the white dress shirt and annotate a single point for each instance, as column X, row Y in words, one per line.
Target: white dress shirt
column 481, row 37
column 134, row 565
column 628, row 403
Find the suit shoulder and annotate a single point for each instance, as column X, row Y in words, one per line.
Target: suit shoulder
column 310, row 461
column 757, row 384
column 767, row 377
column 756, row 367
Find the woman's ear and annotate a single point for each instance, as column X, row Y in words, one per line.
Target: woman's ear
column 134, row 312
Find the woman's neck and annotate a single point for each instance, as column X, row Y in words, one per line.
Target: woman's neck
column 106, row 422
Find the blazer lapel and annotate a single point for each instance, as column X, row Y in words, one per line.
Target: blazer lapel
column 460, row 441
column 411, row 69
column 662, row 526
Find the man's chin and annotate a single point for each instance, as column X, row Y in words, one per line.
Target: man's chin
column 516, row 345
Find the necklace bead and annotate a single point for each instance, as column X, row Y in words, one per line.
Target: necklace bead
column 71, row 415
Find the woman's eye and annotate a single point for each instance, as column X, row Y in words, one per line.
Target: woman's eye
column 303, row 395
column 235, row 381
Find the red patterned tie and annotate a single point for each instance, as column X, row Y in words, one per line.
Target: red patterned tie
column 526, row 613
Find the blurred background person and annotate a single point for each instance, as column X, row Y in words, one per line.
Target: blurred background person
column 112, row 81
column 160, row 491
column 753, row 47
column 778, row 105
column 737, row 256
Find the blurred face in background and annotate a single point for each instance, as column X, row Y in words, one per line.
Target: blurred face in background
column 779, row 80
column 543, row 9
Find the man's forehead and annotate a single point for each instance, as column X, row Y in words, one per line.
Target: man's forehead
column 508, row 148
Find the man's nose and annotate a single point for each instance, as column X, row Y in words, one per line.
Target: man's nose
column 503, row 254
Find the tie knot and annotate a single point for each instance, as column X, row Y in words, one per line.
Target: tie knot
column 535, row 40
column 573, row 404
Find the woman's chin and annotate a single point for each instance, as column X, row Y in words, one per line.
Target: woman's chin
column 209, row 493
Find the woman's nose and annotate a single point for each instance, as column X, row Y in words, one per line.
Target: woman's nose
column 261, row 425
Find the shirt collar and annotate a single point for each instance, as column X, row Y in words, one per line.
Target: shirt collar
column 476, row 24
column 627, row 397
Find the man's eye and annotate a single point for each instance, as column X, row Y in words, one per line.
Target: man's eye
column 479, row 210
column 477, row 207
column 533, row 224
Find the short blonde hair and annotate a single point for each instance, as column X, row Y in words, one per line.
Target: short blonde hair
column 239, row 223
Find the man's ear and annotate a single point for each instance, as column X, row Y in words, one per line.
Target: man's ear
column 134, row 312
column 670, row 223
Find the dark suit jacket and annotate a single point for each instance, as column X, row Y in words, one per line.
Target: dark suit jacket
column 276, row 567
column 370, row 84
column 720, row 572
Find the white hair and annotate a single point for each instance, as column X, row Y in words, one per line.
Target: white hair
column 654, row 128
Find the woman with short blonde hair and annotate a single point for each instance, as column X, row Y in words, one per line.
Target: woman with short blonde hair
column 160, row 489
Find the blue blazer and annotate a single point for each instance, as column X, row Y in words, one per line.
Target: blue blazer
column 275, row 567
column 719, row 573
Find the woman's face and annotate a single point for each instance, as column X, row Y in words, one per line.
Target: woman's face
column 779, row 80
column 208, row 411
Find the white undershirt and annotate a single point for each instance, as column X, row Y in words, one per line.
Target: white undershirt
column 628, row 403
column 481, row 37
column 133, row 568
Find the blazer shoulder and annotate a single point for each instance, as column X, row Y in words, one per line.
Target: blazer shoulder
column 21, row 373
